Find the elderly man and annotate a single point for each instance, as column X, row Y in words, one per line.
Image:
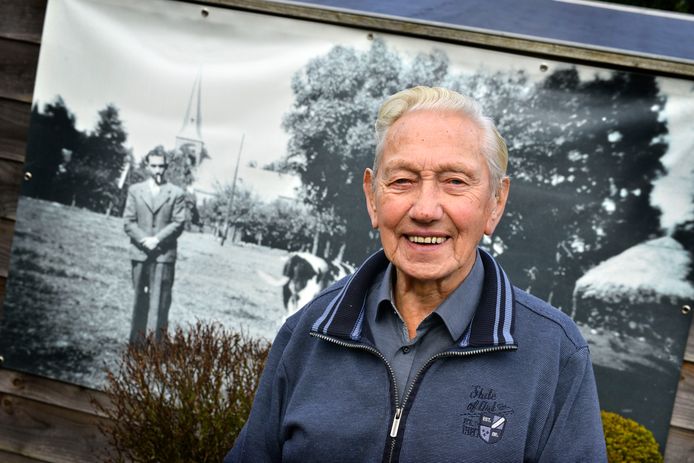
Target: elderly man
column 427, row 352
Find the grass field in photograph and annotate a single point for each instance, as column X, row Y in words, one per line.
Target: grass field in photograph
column 69, row 297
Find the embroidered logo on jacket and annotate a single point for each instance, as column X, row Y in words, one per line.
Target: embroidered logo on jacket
column 491, row 427
column 486, row 415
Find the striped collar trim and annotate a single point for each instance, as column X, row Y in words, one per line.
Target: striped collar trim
column 492, row 325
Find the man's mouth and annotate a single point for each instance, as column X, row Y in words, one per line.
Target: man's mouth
column 426, row 239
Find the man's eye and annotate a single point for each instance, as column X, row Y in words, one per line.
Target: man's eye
column 402, row 181
column 455, row 181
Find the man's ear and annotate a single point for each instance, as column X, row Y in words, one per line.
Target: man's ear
column 369, row 194
column 498, row 207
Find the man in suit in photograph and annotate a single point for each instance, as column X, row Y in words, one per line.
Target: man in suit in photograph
column 154, row 219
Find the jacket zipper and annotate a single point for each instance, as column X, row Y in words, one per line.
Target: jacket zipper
column 399, row 408
column 396, row 394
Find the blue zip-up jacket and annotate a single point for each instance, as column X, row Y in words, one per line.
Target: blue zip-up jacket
column 518, row 386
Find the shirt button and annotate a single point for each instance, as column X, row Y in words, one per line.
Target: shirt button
column 405, row 349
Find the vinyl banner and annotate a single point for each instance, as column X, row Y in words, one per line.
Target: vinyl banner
column 265, row 125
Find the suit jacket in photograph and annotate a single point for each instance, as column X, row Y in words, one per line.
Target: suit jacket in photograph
column 162, row 216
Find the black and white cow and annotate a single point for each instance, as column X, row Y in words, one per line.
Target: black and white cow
column 304, row 276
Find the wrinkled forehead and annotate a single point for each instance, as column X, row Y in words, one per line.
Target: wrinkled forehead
column 434, row 122
column 433, row 128
column 435, row 132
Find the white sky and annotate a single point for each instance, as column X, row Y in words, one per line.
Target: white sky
column 143, row 56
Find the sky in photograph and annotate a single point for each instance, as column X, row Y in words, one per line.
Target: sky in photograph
column 144, row 57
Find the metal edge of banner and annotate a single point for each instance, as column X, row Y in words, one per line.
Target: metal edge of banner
column 499, row 41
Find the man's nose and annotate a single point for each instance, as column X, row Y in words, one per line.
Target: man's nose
column 427, row 204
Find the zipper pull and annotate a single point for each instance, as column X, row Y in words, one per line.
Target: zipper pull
column 396, row 422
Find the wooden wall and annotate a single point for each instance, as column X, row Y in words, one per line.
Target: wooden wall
column 50, row 421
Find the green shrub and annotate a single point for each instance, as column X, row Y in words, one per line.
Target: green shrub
column 183, row 399
column 628, row 441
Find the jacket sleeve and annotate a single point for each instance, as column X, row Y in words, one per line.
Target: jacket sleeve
column 259, row 441
column 130, row 218
column 573, row 432
column 178, row 218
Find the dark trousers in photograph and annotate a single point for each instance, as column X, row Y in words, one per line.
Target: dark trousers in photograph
column 152, row 282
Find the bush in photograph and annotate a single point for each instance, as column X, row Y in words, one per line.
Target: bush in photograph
column 183, row 399
column 628, row 441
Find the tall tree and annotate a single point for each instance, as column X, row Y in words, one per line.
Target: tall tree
column 93, row 172
column 583, row 178
column 52, row 138
column 331, row 129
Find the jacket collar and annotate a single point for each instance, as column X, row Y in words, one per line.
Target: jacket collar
column 492, row 325
column 153, row 202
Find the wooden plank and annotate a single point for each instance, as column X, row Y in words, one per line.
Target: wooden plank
column 683, row 410
column 47, row 432
column 14, row 129
column 3, row 281
column 58, row 393
column 680, row 446
column 689, row 350
column 18, row 62
column 11, row 175
column 6, row 232
column 22, row 19
column 7, row 457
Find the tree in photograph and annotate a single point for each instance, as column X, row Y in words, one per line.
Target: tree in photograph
column 227, row 214
column 91, row 176
column 281, row 166
column 582, row 177
column 181, row 172
column 684, row 234
column 52, row 140
column 330, row 124
column 183, row 165
column 280, row 224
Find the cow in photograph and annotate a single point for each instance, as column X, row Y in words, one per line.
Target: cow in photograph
column 305, row 275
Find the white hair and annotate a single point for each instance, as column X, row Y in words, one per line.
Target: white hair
column 441, row 99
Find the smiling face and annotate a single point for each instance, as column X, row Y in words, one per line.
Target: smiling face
column 431, row 198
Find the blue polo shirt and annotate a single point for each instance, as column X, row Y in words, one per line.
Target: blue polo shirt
column 436, row 333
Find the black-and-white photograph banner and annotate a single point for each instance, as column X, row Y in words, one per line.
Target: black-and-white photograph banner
column 238, row 141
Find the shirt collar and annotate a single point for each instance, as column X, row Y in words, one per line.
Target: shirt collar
column 456, row 311
column 459, row 307
column 153, row 186
column 493, row 323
